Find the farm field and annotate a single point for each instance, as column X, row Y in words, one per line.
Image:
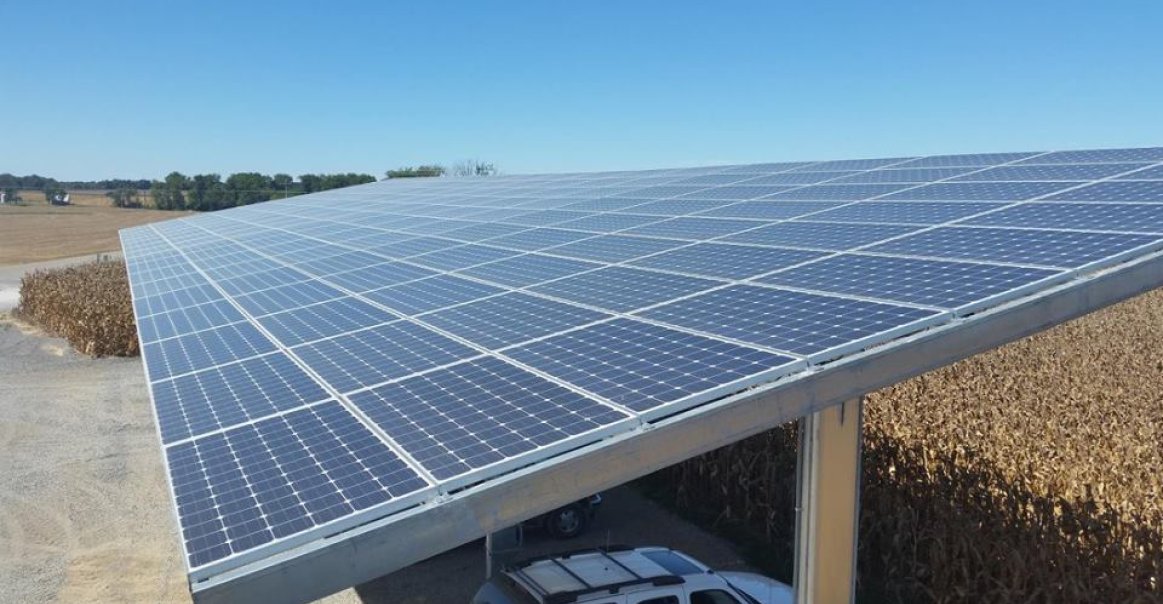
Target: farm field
column 1032, row 472
column 38, row 231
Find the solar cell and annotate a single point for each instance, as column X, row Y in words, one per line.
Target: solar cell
column 521, row 271
column 695, row 228
column 798, row 178
column 608, row 223
column 899, row 175
column 614, row 248
column 539, row 239
column 203, row 349
column 463, row 256
column 981, row 191
column 286, row 297
column 1126, row 217
column 256, row 483
column 229, row 395
column 788, row 321
column 481, row 412
column 851, row 164
column 821, row 235
column 415, row 297
column 185, row 320
column 365, row 358
column 1145, row 191
column 509, row 319
column 323, row 320
column 379, row 275
column 726, row 261
column 971, row 160
column 952, row 285
column 677, row 207
column 770, row 210
column 644, row 366
column 832, row 192
column 904, row 212
column 1050, row 172
column 623, row 289
column 1149, row 154
column 1063, row 249
column 1152, row 173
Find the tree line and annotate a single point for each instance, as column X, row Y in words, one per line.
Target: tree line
column 208, row 192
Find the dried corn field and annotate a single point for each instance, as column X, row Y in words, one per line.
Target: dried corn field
column 88, row 305
column 1032, row 473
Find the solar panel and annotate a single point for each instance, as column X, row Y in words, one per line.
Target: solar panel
column 330, row 361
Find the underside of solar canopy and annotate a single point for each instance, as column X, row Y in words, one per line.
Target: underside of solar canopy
column 347, row 382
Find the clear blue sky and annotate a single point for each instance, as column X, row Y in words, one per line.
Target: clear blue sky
column 135, row 89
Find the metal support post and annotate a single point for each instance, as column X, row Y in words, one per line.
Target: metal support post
column 500, row 547
column 828, row 504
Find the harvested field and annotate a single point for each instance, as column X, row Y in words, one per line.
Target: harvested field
column 88, row 305
column 42, row 232
column 1032, row 473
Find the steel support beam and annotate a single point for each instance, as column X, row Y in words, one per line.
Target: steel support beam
column 828, row 504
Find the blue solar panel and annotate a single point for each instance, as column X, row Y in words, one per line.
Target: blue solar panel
column 929, row 282
column 904, row 212
column 897, row 175
column 677, row 207
column 528, row 269
column 739, row 192
column 1125, row 217
column 284, row 475
column 608, row 223
column 539, row 239
column 470, row 415
column 644, row 366
column 379, row 275
column 545, row 217
column 614, row 248
column 972, row 160
column 770, row 210
column 788, row 321
column 1064, row 249
column 286, row 297
column 183, row 320
column 1145, row 191
column 798, row 178
column 821, row 235
column 1050, row 172
column 463, row 256
column 429, row 294
column 622, row 289
column 1150, row 154
column 203, row 349
column 727, row 261
column 832, row 192
column 695, row 228
column 229, row 395
column 851, row 164
column 411, row 247
column 981, row 191
column 323, row 320
column 373, row 356
column 510, row 319
column 1152, row 173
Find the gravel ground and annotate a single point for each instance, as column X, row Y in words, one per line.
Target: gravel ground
column 85, row 514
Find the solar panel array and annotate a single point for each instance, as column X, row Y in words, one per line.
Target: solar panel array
column 325, row 360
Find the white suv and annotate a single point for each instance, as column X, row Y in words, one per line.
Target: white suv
column 623, row 575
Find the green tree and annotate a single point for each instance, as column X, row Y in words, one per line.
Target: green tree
column 125, row 197
column 283, row 183
column 169, row 194
column 208, row 193
column 249, row 187
column 311, row 182
column 418, row 171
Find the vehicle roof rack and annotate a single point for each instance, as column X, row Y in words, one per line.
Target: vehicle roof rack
column 567, row 597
